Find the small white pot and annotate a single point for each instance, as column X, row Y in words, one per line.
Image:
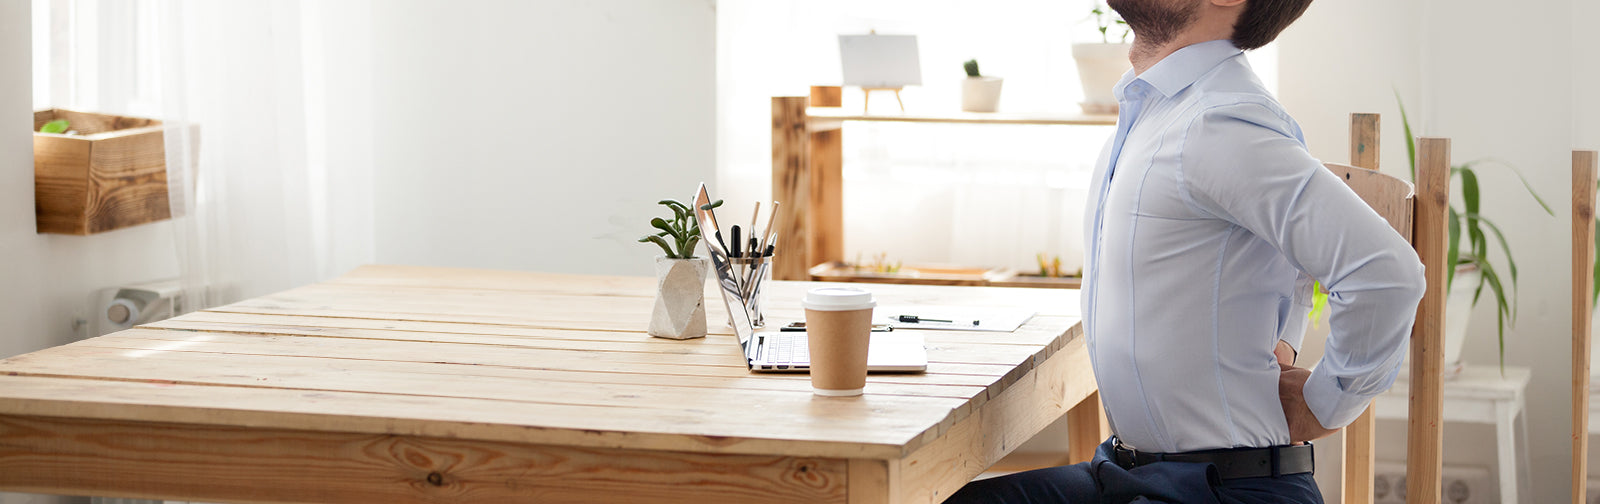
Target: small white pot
column 980, row 94
column 680, row 311
column 1457, row 313
column 1100, row 66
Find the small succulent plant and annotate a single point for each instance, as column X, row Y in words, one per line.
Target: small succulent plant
column 683, row 231
column 972, row 68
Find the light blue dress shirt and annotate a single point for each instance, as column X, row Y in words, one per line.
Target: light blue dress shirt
column 1208, row 215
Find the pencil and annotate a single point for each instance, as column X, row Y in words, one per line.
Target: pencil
column 772, row 215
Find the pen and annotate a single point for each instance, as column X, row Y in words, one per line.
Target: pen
column 737, row 245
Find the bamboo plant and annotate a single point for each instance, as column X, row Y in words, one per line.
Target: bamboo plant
column 683, row 230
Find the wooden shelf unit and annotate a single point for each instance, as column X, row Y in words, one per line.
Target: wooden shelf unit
column 808, row 158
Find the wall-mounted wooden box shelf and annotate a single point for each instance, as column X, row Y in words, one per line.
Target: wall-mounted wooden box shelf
column 111, row 175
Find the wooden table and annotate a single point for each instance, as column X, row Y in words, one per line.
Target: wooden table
column 408, row 384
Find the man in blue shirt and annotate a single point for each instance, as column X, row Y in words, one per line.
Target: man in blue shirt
column 1208, row 223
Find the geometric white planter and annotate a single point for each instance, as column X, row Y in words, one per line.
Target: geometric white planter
column 1100, row 66
column 680, row 310
column 980, row 94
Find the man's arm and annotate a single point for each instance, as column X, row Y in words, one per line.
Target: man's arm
column 1242, row 163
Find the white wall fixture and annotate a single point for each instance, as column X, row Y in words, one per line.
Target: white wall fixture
column 123, row 307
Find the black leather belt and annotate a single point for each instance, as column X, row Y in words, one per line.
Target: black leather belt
column 1231, row 463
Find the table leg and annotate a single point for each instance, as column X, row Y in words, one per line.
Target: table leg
column 1086, row 428
column 1506, row 451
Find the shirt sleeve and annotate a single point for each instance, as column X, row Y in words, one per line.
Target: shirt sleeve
column 1244, row 163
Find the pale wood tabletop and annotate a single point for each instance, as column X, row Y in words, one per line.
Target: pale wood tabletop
column 413, row 384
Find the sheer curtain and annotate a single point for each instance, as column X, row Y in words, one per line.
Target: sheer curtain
column 269, row 171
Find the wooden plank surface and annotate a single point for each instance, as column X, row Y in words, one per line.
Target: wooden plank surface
column 526, row 358
column 1425, row 429
column 56, row 455
column 1583, row 201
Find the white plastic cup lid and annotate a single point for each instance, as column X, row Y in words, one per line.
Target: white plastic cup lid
column 838, row 299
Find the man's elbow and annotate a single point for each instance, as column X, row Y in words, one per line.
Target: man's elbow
column 1416, row 280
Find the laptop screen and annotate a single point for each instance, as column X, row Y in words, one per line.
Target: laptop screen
column 731, row 297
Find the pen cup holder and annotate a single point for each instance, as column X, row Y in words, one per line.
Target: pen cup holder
column 754, row 273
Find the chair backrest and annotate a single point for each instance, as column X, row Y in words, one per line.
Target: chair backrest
column 1583, row 198
column 1421, row 220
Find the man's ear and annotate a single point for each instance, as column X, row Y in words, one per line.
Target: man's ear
column 1227, row 3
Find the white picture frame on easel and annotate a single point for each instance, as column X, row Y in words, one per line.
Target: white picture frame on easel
column 880, row 62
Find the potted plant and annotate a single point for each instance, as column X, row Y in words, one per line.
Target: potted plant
column 1473, row 272
column 1101, row 64
column 979, row 93
column 680, row 308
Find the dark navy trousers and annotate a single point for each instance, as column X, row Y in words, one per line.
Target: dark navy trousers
column 1101, row 481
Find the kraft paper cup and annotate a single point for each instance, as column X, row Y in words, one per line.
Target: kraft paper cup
column 838, row 327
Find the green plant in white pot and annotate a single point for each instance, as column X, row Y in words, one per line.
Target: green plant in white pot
column 1470, row 251
column 680, row 307
column 1473, row 269
column 979, row 93
column 1101, row 64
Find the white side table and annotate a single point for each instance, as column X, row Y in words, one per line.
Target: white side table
column 1478, row 395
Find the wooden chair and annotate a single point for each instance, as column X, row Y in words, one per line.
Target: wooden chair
column 1583, row 198
column 1422, row 220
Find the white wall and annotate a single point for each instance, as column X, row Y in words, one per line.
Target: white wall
column 1496, row 85
column 45, row 280
column 538, row 135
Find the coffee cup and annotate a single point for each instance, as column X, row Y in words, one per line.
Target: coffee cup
column 838, row 328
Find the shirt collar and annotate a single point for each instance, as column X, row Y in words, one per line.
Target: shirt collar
column 1181, row 68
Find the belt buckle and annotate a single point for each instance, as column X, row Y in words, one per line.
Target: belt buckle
column 1120, row 450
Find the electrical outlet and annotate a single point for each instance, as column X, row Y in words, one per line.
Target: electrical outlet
column 1461, row 485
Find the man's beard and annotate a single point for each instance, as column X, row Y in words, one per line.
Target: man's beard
column 1156, row 22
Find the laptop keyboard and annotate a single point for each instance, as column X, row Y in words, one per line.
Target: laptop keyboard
column 785, row 349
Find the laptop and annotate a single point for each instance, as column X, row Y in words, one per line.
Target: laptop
column 786, row 351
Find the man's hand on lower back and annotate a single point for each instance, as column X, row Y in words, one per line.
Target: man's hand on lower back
column 1303, row 425
column 1285, row 353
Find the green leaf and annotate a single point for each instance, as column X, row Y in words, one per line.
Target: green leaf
column 1596, row 294
column 1411, row 140
column 56, row 126
column 1504, row 312
column 1518, row 173
column 660, row 242
column 1504, row 245
column 660, row 223
column 1453, row 253
column 711, row 205
column 678, row 208
column 688, row 250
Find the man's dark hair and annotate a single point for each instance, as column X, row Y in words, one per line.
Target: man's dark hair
column 1263, row 20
